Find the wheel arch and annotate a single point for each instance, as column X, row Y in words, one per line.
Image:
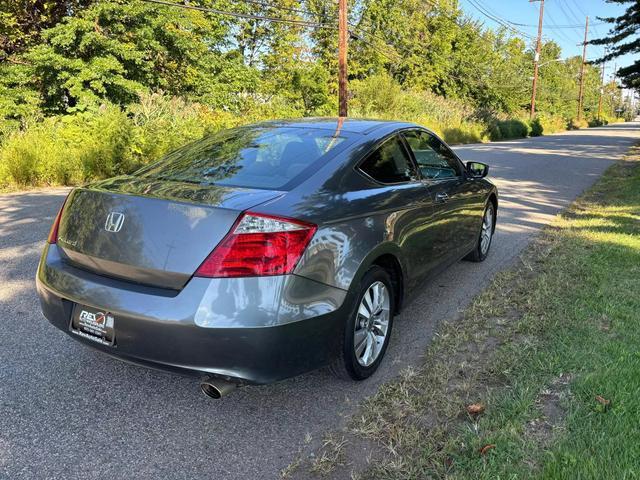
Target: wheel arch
column 493, row 198
column 388, row 257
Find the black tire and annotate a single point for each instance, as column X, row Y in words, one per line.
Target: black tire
column 477, row 254
column 346, row 365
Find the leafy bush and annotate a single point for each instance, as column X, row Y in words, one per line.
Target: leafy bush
column 108, row 141
column 597, row 122
column 545, row 123
column 494, row 133
column 536, row 127
column 38, row 155
column 160, row 124
column 576, row 124
column 379, row 96
column 467, row 132
column 508, row 129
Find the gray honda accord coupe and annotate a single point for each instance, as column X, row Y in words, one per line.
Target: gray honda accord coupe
column 265, row 251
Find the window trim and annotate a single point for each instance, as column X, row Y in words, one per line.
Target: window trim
column 462, row 176
column 412, row 163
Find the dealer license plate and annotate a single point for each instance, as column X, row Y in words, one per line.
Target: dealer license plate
column 93, row 324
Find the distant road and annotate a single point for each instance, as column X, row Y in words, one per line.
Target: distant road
column 68, row 412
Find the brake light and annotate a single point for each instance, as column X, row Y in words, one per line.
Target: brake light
column 53, row 233
column 258, row 245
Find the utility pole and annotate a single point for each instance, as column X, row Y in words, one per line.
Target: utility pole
column 601, row 87
column 342, row 58
column 584, row 59
column 536, row 60
column 615, row 83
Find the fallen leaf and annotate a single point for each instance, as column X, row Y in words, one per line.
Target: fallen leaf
column 486, row 448
column 475, row 409
column 602, row 401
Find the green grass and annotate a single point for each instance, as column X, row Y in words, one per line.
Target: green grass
column 537, row 348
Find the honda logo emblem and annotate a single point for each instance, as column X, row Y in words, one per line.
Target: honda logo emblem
column 114, row 222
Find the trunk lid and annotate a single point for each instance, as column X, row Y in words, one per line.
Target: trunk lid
column 149, row 231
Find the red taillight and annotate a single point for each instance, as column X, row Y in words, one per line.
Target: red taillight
column 53, row 233
column 258, row 245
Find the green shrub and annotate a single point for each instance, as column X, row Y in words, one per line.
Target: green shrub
column 547, row 124
column 536, row 127
column 576, row 124
column 108, row 141
column 380, row 96
column 597, row 122
column 160, row 124
column 493, row 132
column 68, row 150
column 39, row 155
column 101, row 140
column 508, row 129
column 467, row 132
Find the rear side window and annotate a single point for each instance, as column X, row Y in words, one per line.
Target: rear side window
column 433, row 157
column 389, row 163
column 268, row 157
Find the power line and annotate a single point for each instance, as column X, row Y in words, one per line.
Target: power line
column 529, row 25
column 249, row 16
column 579, row 8
column 367, row 31
column 353, row 33
column 567, row 15
column 501, row 21
column 562, row 33
column 575, row 16
column 361, row 38
column 573, row 26
column 516, row 24
column 279, row 7
column 504, row 23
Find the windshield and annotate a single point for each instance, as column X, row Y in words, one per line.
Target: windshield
column 253, row 157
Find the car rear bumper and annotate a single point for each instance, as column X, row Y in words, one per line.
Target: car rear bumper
column 250, row 330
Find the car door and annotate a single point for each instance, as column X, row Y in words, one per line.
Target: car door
column 445, row 180
column 408, row 210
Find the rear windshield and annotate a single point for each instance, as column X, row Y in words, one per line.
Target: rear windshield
column 254, row 157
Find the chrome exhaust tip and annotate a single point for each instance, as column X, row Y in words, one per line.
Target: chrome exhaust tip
column 216, row 388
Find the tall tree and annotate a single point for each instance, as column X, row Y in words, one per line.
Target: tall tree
column 116, row 49
column 22, row 21
column 624, row 38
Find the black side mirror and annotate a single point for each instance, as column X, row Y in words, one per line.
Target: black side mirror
column 477, row 169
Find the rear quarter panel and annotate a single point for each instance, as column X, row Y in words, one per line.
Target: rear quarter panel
column 357, row 219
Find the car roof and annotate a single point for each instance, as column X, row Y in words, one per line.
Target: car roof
column 351, row 125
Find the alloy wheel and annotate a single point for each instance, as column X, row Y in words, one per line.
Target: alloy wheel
column 372, row 323
column 487, row 230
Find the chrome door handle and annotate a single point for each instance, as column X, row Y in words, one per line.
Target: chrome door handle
column 441, row 197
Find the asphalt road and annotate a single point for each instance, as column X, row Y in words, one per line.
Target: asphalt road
column 68, row 412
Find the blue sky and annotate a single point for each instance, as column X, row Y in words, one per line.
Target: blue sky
column 556, row 13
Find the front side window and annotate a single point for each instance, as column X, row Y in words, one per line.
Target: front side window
column 389, row 163
column 433, row 157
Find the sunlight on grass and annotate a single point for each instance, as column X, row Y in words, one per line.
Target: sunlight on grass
column 551, row 348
